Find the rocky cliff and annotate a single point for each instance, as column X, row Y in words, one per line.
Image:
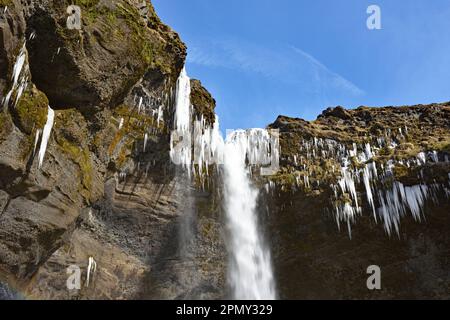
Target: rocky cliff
column 357, row 188
column 107, row 189
column 99, row 193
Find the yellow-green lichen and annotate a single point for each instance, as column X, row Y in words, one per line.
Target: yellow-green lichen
column 135, row 126
column 4, row 3
column 81, row 157
column 31, row 110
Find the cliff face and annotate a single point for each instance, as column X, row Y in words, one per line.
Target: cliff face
column 99, row 193
column 107, row 189
column 395, row 215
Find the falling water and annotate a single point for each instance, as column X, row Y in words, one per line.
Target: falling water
column 250, row 273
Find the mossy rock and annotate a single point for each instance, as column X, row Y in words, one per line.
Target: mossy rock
column 72, row 125
column 134, row 128
column 4, row 3
column 31, row 110
column 81, row 157
column 96, row 66
column 204, row 104
column 442, row 145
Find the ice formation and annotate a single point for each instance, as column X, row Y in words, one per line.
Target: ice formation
column 360, row 172
column 92, row 268
column 181, row 138
column 19, row 78
column 36, row 140
column 46, row 135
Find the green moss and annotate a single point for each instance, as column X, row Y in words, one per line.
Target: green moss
column 135, row 126
column 86, row 3
column 401, row 171
column 285, row 179
column 31, row 110
column 115, row 142
column 443, row 145
column 143, row 47
column 4, row 3
column 123, row 23
column 204, row 104
column 80, row 156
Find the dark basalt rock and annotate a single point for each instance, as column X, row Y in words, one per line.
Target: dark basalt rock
column 12, row 30
column 99, row 64
column 203, row 102
column 338, row 112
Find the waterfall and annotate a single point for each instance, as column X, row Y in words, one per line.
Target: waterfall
column 193, row 141
column 250, row 273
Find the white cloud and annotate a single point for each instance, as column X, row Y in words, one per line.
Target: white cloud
column 335, row 78
column 284, row 64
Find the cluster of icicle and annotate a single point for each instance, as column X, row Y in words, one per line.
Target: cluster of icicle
column 92, row 268
column 197, row 145
column 389, row 205
column 20, row 82
column 147, row 106
column 19, row 78
column 181, row 137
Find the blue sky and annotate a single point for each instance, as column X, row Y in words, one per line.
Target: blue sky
column 263, row 58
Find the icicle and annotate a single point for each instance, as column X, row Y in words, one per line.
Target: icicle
column 18, row 66
column 46, row 135
column 367, row 177
column 434, row 156
column 36, row 140
column 422, row 158
column 145, row 141
column 183, row 103
column 15, row 77
column 140, row 105
column 160, row 115
column 181, row 138
column 398, row 200
column 92, row 268
column 368, row 151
